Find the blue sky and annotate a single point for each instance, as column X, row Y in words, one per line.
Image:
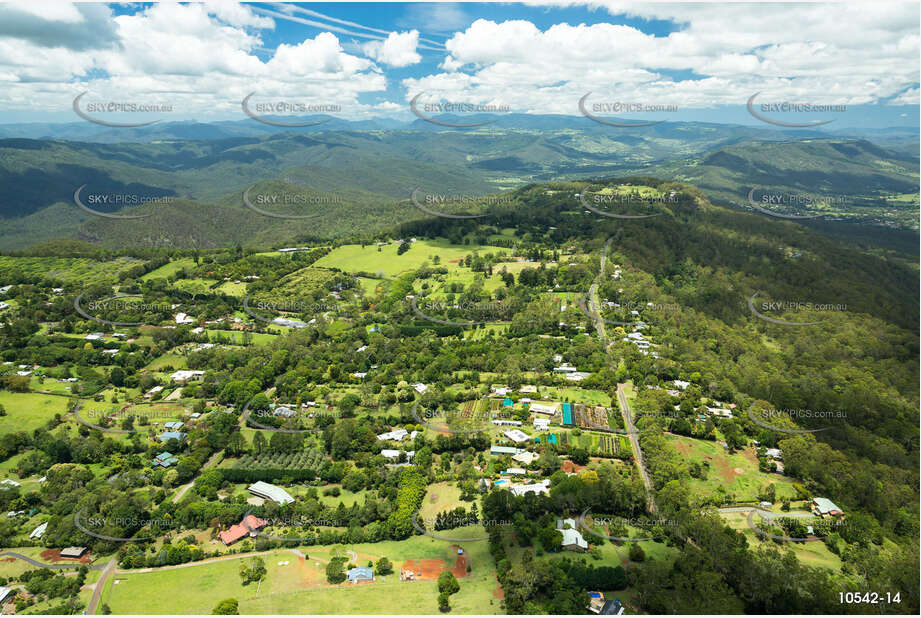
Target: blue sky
column 367, row 60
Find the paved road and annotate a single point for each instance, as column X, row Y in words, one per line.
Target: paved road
column 100, row 585
column 42, row 565
column 187, row 486
column 762, row 512
column 635, row 442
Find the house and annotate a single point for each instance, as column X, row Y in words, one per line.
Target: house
column 527, row 388
column 360, row 574
column 94, row 337
column 420, row 387
column 501, row 391
column 722, row 413
column 564, row 368
column 169, row 435
column 774, row 453
column 526, row 458
column 577, row 376
column 539, row 408
column 536, row 488
column 152, row 392
column 283, row 411
column 391, row 453
column 681, row 384
column 270, row 492
column 164, row 460
column 182, row 318
column 824, row 506
column 9, row 483
column 502, row 422
column 173, row 425
column 289, row 323
column 572, row 540
column 184, row 375
column 541, row 424
column 516, row 435
column 73, row 552
column 516, row 472
column 396, row 435
column 360, row 375
column 7, row 594
column 250, row 525
column 504, row 450
column 39, row 531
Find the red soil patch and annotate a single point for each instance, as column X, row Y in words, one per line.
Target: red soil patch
column 569, row 466
column 683, row 447
column 460, row 565
column 750, row 455
column 498, row 593
column 54, row 555
column 725, row 470
column 8, row 560
column 425, row 569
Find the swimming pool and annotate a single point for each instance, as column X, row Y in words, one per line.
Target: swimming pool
column 500, row 482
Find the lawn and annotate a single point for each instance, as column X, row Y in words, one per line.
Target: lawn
column 355, row 258
column 175, row 361
column 736, row 473
column 813, row 553
column 29, row 411
column 236, row 337
column 301, row 587
column 170, row 269
column 441, row 497
column 232, row 289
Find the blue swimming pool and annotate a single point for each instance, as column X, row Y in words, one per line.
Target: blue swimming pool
column 500, row 482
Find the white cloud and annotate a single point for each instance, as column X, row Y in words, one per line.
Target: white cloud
column 398, row 50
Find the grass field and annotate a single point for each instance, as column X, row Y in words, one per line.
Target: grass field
column 174, row 360
column 736, row 473
column 81, row 271
column 300, row 586
column 355, row 258
column 441, row 497
column 170, row 269
column 29, row 411
column 236, row 337
column 813, row 553
column 232, row 289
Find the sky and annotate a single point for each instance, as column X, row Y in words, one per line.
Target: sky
column 366, row 60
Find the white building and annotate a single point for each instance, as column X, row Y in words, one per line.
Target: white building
column 184, row 375
column 536, row 488
column 516, row 435
column 542, row 424
column 182, row 318
column 396, row 435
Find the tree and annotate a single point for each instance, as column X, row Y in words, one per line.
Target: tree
column 636, row 553
column 383, row 566
column 335, row 573
column 443, row 605
column 226, row 607
column 447, row 583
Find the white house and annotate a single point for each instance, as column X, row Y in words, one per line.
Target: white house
column 396, row 435
column 541, row 424
column 182, row 318
column 420, row 387
column 516, row 435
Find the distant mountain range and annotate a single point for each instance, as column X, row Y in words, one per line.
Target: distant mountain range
column 370, row 170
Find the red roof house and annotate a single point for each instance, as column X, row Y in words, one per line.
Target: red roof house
column 249, row 526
